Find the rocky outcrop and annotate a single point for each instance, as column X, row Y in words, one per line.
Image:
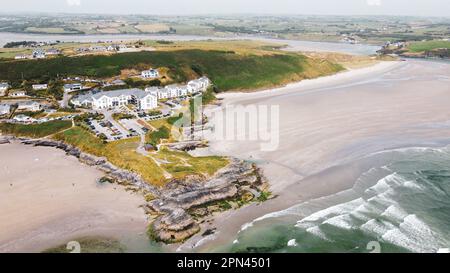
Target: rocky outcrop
column 187, row 146
column 180, row 198
column 4, row 140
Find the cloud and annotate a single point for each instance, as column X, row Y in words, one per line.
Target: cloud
column 374, row 2
column 72, row 3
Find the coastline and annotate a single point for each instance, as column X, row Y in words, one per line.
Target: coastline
column 315, row 172
column 352, row 114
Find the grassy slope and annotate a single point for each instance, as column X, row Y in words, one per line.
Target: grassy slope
column 35, row 130
column 228, row 70
column 428, row 45
column 123, row 154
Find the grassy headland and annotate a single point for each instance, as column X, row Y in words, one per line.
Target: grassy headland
column 123, row 154
column 428, row 46
column 239, row 68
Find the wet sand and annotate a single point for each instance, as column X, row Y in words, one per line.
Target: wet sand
column 48, row 199
column 330, row 122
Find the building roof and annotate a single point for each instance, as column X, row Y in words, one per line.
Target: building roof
column 4, row 85
column 27, row 103
column 138, row 93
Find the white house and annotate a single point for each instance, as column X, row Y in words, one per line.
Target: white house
column 163, row 93
column 153, row 90
column 98, row 48
column 3, row 88
column 71, row 87
column 39, row 54
column 199, row 85
column 150, row 74
column 183, row 91
column 83, row 100
column 112, row 99
column 147, row 102
column 21, row 57
column 17, row 93
column 23, row 118
column 53, row 51
column 4, row 109
column 29, row 106
column 40, row 86
column 172, row 90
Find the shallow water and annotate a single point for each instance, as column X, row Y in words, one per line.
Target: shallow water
column 6, row 37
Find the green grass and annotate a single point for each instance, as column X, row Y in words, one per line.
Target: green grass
column 82, row 139
column 35, row 130
column 182, row 164
column 121, row 153
column 155, row 137
column 428, row 45
column 229, row 71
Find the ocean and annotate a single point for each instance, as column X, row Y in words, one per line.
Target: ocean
column 402, row 205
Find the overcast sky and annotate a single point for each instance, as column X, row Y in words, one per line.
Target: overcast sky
column 186, row 7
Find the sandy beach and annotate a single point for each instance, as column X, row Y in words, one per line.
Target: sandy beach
column 330, row 122
column 48, row 199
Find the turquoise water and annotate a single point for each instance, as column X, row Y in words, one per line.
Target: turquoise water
column 403, row 206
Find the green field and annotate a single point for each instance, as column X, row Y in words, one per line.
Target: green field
column 227, row 69
column 428, row 45
column 35, row 130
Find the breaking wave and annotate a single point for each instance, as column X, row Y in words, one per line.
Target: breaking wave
column 406, row 210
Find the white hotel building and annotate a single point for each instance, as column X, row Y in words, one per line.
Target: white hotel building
column 118, row 98
column 144, row 100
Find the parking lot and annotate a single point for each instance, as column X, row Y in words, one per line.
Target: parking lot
column 108, row 129
column 133, row 126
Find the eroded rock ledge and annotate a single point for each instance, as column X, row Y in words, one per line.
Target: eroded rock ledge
column 183, row 204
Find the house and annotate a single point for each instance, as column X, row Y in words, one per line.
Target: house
column 172, row 90
column 83, row 100
column 29, row 106
column 53, row 51
column 153, row 90
column 122, row 47
column 117, row 98
column 112, row 48
column 23, row 118
column 98, row 48
column 38, row 54
column 21, row 57
column 163, row 93
column 199, row 85
column 183, row 91
column 17, row 93
column 5, row 109
column 150, row 74
column 3, row 88
column 39, row 86
column 71, row 87
column 82, row 49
